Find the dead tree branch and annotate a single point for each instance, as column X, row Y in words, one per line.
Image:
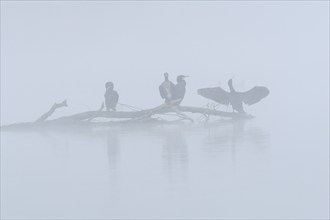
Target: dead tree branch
column 145, row 113
column 51, row 111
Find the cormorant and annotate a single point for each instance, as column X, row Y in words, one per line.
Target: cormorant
column 233, row 97
column 111, row 97
column 166, row 89
column 179, row 89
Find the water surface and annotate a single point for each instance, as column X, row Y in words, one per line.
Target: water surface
column 220, row 170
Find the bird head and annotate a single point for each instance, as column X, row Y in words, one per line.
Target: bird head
column 109, row 85
column 230, row 82
column 181, row 78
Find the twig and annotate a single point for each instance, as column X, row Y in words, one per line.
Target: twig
column 96, row 113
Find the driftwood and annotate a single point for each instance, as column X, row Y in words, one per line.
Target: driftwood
column 128, row 117
column 144, row 113
column 96, row 113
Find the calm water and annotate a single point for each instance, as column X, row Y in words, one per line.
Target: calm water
column 233, row 170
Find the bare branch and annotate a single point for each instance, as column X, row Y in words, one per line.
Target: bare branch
column 51, row 111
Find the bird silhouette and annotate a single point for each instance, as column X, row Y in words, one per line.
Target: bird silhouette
column 234, row 98
column 166, row 89
column 111, row 97
column 179, row 89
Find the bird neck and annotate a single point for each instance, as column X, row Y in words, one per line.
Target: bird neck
column 231, row 88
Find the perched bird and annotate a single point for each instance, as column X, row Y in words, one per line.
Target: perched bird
column 234, row 98
column 111, row 97
column 179, row 89
column 166, row 89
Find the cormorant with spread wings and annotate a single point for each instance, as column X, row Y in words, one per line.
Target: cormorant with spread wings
column 234, row 98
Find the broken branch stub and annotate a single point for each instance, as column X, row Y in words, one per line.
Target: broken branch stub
column 51, row 111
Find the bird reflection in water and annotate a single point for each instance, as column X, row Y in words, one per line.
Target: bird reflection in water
column 113, row 149
column 175, row 154
column 235, row 135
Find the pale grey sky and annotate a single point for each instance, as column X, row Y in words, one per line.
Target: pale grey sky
column 51, row 51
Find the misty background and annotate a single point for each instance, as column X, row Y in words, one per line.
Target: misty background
column 51, row 51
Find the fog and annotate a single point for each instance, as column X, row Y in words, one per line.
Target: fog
column 272, row 166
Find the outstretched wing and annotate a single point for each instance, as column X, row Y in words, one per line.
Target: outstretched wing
column 254, row 95
column 216, row 94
